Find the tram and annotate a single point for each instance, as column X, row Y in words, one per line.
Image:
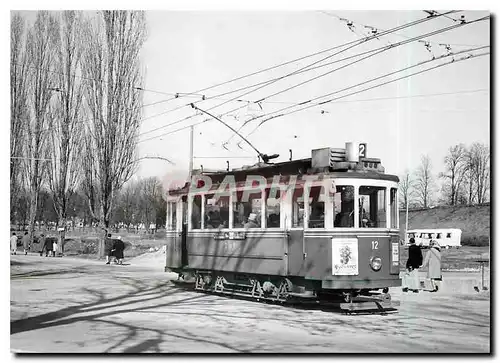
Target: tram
column 325, row 228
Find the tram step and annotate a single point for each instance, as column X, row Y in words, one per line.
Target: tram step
column 237, row 284
column 367, row 305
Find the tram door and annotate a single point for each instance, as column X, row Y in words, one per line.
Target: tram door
column 176, row 234
column 183, row 234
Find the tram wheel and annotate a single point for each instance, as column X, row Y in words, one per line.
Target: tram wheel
column 385, row 290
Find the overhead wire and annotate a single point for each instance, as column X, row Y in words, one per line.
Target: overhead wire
column 351, row 45
column 379, row 50
column 357, row 92
column 375, row 86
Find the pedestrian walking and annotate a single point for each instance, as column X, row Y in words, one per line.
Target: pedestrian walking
column 26, row 242
column 13, row 243
column 411, row 279
column 117, row 249
column 433, row 260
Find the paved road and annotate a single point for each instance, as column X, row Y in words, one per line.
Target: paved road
column 76, row 305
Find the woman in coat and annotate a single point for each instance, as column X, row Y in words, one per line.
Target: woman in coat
column 117, row 250
column 26, row 242
column 433, row 260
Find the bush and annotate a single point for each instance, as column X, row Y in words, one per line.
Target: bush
column 476, row 241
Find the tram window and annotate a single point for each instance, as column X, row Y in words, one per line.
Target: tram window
column 372, row 213
column 316, row 208
column 172, row 216
column 438, row 236
column 344, row 206
column 448, row 235
column 298, row 208
column 273, row 209
column 216, row 211
column 246, row 213
column 394, row 208
column 196, row 212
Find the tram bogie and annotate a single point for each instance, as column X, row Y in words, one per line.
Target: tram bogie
column 323, row 228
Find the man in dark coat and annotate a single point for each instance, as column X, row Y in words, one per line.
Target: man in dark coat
column 411, row 280
column 117, row 249
column 49, row 246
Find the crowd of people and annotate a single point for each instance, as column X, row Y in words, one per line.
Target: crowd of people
column 113, row 247
column 46, row 244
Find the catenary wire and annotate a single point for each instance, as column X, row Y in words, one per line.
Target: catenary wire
column 357, row 42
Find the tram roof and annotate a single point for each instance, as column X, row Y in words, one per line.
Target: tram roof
column 293, row 167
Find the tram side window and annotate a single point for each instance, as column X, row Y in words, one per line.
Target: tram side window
column 344, row 206
column 216, row 211
column 394, row 208
column 196, row 212
column 247, row 209
column 372, row 207
column 298, row 208
column 172, row 216
column 316, row 208
column 273, row 209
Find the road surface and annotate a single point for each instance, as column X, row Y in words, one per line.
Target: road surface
column 71, row 305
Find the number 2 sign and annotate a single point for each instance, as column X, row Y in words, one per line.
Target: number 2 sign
column 362, row 150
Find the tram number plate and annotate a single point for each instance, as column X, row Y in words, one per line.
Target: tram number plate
column 229, row 246
column 374, row 245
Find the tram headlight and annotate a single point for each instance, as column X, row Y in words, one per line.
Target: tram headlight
column 376, row 263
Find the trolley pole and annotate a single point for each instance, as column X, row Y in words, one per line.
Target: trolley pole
column 191, row 147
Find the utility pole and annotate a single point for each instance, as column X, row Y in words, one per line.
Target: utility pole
column 407, row 201
column 191, row 146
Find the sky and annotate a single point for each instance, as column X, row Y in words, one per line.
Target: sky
column 190, row 50
column 424, row 114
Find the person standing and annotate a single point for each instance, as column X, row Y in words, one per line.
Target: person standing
column 13, row 243
column 26, row 242
column 411, row 279
column 433, row 260
column 117, row 249
column 49, row 247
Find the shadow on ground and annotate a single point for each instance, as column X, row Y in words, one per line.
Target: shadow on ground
column 150, row 298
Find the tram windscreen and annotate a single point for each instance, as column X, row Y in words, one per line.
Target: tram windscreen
column 372, row 208
column 344, row 206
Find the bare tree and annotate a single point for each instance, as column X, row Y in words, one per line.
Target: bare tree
column 424, row 182
column 111, row 67
column 18, row 104
column 65, row 122
column 151, row 198
column 406, row 189
column 40, row 50
column 480, row 170
column 455, row 165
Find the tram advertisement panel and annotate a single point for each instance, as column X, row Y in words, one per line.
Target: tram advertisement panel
column 345, row 256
